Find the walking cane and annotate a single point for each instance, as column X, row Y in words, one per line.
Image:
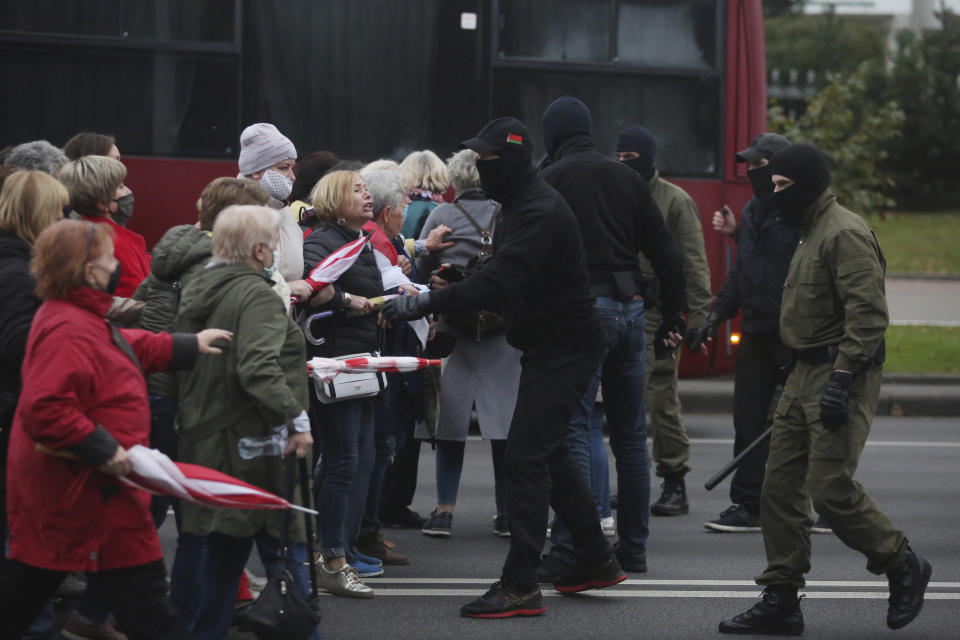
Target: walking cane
column 731, row 466
column 305, row 498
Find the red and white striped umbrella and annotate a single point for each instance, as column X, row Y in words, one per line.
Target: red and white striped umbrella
column 333, row 266
column 325, row 369
column 153, row 471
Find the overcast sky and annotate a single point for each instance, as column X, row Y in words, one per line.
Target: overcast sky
column 883, row 6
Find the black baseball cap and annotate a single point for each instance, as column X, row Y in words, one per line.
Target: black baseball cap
column 501, row 134
column 763, row 146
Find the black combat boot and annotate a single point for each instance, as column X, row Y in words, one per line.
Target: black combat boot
column 778, row 613
column 907, row 587
column 673, row 500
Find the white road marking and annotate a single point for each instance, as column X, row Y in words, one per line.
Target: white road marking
column 655, row 593
column 678, row 583
column 870, row 443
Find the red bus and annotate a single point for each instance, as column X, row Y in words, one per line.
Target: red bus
column 177, row 80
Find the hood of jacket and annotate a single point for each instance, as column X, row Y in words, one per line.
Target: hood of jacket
column 179, row 249
column 566, row 117
column 209, row 288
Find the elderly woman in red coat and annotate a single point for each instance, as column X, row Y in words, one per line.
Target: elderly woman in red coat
column 83, row 404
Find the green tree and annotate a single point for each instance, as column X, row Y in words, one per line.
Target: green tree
column 825, row 42
column 854, row 133
column 923, row 80
column 781, row 7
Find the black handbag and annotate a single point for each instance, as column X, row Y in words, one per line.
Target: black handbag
column 281, row 612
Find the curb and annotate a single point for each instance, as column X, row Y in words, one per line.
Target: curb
column 926, row 398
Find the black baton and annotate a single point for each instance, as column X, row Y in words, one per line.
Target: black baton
column 736, row 462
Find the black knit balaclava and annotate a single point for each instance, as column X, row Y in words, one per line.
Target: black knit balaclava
column 807, row 167
column 640, row 140
column 564, row 118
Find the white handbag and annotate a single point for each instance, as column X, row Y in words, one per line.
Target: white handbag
column 349, row 386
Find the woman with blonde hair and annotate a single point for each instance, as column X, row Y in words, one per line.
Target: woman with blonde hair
column 344, row 430
column 96, row 189
column 30, row 201
column 429, row 180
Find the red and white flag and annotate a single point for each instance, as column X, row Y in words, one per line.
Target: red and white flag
column 153, row 471
column 335, row 264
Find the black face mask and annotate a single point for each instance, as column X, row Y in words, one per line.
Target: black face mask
column 792, row 201
column 760, row 180
column 501, row 177
column 114, row 280
column 641, row 166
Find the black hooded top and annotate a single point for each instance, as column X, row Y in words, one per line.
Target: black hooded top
column 617, row 216
column 537, row 277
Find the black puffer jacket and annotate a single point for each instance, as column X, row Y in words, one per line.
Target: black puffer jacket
column 343, row 334
column 765, row 246
column 617, row 216
column 182, row 253
column 20, row 303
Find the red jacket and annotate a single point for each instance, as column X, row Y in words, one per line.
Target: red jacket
column 64, row 514
column 130, row 250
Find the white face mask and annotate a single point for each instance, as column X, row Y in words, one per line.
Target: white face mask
column 277, row 185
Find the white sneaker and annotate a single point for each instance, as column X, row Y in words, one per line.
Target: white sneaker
column 343, row 582
column 609, row 526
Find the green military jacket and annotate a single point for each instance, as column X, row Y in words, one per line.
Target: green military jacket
column 258, row 383
column 683, row 221
column 179, row 256
column 834, row 291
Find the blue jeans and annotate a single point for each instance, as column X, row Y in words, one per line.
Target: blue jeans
column 622, row 375
column 450, row 465
column 599, row 464
column 227, row 557
column 342, row 478
column 163, row 436
column 186, row 576
column 385, row 446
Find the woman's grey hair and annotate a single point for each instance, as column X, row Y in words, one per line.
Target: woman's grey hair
column 462, row 167
column 239, row 228
column 38, row 155
column 385, row 187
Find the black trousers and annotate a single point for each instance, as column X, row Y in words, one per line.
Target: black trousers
column 137, row 596
column 539, row 470
column 762, row 365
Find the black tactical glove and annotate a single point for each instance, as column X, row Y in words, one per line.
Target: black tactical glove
column 669, row 324
column 696, row 338
column 406, row 307
column 833, row 402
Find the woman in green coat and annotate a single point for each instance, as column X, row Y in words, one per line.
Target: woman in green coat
column 241, row 413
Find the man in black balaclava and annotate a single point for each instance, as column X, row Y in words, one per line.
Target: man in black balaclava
column 833, row 315
column 637, row 148
column 765, row 244
column 538, row 279
column 618, row 220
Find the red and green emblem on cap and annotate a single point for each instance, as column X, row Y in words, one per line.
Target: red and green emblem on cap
column 513, row 138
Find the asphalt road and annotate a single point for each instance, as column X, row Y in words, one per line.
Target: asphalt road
column 695, row 577
column 918, row 301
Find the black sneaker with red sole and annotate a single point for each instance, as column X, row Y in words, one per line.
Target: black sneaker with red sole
column 503, row 601
column 583, row 576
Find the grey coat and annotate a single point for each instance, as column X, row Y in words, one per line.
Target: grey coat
column 486, row 372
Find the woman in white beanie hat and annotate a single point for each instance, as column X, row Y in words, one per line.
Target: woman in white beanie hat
column 268, row 156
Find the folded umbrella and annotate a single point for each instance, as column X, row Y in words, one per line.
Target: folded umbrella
column 153, row 471
column 325, row 369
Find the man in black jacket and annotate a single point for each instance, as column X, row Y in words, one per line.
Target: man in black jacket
column 537, row 278
column 618, row 220
column 765, row 245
